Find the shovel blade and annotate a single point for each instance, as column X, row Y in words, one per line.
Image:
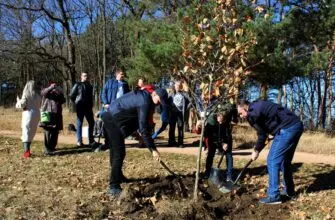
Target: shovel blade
column 228, row 187
column 217, row 176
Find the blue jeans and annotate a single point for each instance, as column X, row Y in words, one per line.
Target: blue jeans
column 88, row 114
column 280, row 158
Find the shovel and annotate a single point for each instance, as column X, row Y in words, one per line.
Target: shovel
column 230, row 186
column 181, row 185
column 217, row 175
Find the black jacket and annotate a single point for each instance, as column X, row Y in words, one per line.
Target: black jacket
column 268, row 118
column 219, row 133
column 82, row 94
column 133, row 111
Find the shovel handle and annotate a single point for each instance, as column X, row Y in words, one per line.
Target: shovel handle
column 243, row 170
column 220, row 161
column 167, row 168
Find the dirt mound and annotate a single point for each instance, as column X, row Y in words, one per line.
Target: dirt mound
column 171, row 198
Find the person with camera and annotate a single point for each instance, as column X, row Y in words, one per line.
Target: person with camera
column 52, row 100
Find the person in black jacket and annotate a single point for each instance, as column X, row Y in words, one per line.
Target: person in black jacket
column 272, row 119
column 125, row 115
column 82, row 96
column 218, row 135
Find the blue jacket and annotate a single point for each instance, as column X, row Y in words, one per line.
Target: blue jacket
column 133, row 111
column 268, row 118
column 108, row 94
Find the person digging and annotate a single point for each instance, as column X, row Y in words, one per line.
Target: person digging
column 125, row 115
column 272, row 119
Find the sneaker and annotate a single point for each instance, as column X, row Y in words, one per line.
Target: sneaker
column 48, row 154
column 114, row 192
column 270, row 201
column 181, row 146
column 93, row 145
column 286, row 197
column 26, row 154
column 229, row 179
column 80, row 144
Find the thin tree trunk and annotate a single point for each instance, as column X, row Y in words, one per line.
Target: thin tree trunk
column 264, row 91
column 285, row 96
column 292, row 97
column 300, row 101
column 330, row 82
column 322, row 105
column 280, row 95
column 196, row 185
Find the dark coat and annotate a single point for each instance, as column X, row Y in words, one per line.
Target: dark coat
column 82, row 95
column 268, row 118
column 133, row 111
column 52, row 100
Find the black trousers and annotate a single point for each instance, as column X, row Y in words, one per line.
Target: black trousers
column 50, row 139
column 115, row 141
column 176, row 119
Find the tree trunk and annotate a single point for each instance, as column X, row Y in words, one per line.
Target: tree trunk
column 322, row 105
column 330, row 82
column 197, row 177
column 71, row 50
column 264, row 91
column 300, row 101
column 280, row 95
column 292, row 97
column 103, row 41
column 285, row 96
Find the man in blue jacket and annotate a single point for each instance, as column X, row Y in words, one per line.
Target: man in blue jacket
column 272, row 119
column 124, row 116
column 114, row 88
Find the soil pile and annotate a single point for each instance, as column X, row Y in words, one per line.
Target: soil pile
column 172, row 198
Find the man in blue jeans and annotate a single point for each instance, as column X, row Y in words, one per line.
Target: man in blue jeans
column 82, row 96
column 272, row 119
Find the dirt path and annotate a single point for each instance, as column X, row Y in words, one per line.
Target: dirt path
column 299, row 157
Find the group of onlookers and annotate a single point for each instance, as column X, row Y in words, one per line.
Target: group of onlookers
column 126, row 113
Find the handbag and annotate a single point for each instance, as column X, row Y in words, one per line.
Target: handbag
column 45, row 117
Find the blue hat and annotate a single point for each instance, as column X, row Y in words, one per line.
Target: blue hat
column 163, row 96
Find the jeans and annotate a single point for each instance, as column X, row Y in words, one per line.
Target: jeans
column 176, row 118
column 88, row 114
column 115, row 142
column 210, row 157
column 280, row 158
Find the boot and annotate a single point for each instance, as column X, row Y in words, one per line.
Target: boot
column 26, row 146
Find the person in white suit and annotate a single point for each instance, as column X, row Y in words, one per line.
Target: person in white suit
column 30, row 103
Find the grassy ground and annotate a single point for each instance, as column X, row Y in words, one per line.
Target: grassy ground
column 244, row 135
column 73, row 185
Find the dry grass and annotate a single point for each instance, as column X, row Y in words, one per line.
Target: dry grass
column 310, row 142
column 73, row 186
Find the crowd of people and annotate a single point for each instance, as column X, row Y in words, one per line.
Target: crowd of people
column 125, row 113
